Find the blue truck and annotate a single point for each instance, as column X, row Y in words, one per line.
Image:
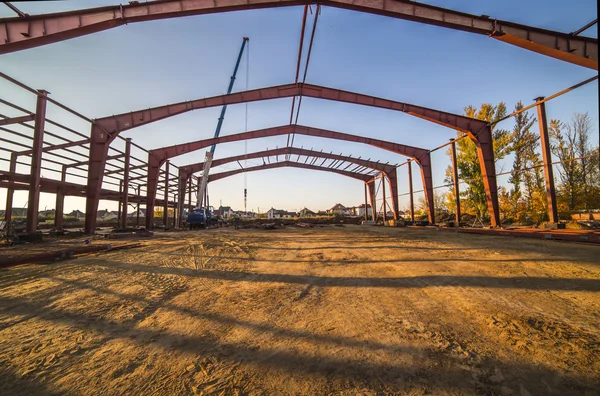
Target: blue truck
column 201, row 218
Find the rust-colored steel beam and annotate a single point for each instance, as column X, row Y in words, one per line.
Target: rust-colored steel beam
column 222, row 175
column 547, row 158
column 18, row 33
column 410, row 192
column 198, row 167
column 16, row 120
column 157, row 157
column 36, row 162
column 455, row 182
column 393, row 180
column 122, row 122
column 373, row 199
column 10, row 191
column 57, row 147
column 126, row 170
column 162, row 154
column 60, row 201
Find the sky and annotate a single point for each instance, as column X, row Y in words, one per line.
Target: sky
column 148, row 64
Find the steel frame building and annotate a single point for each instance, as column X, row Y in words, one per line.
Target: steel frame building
column 103, row 163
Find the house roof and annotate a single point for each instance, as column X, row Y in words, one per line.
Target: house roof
column 338, row 206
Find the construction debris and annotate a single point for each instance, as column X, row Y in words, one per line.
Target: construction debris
column 61, row 254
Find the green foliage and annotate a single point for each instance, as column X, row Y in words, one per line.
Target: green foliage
column 474, row 198
column 526, row 201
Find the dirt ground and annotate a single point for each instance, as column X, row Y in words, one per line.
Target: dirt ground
column 333, row 310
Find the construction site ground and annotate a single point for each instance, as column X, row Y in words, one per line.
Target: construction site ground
column 326, row 310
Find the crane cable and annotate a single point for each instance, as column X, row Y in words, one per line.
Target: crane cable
column 246, row 128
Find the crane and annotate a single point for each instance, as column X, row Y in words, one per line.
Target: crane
column 209, row 154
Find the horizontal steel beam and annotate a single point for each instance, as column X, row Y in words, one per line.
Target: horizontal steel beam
column 18, row 33
column 80, row 163
column 169, row 152
column 122, row 122
column 193, row 168
column 16, row 120
column 56, row 147
column 121, row 170
column 282, row 164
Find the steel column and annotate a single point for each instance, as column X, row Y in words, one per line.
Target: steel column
column 393, row 180
column 182, row 181
column 373, row 199
column 99, row 144
column 366, row 212
column 137, row 221
column 485, row 152
column 427, row 179
column 189, row 193
column 36, row 161
column 120, row 202
column 547, row 158
column 60, row 201
column 410, row 192
column 10, row 191
column 153, row 171
column 455, row 181
column 166, row 198
column 384, row 203
column 126, row 181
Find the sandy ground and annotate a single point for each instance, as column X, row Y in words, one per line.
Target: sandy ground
column 335, row 310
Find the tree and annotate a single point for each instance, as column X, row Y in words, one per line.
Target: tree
column 524, row 143
column 475, row 201
column 563, row 146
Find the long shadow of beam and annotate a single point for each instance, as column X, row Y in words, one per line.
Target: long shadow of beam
column 448, row 370
column 231, row 321
column 515, row 282
column 359, row 261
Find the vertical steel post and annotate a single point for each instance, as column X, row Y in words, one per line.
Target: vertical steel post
column 10, row 191
column 126, row 182
column 366, row 211
column 60, row 201
column 189, row 194
column 547, row 158
column 384, row 203
column 410, row 192
column 175, row 210
column 119, row 211
column 455, row 182
column 166, row 203
column 137, row 221
column 36, row 161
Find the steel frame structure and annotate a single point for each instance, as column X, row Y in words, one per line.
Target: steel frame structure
column 28, row 31
column 362, row 169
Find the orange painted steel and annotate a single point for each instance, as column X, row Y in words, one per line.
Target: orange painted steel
column 18, row 33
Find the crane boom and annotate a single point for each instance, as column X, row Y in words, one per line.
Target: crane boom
column 209, row 154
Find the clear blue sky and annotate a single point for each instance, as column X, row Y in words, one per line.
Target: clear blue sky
column 153, row 63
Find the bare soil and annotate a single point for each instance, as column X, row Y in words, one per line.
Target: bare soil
column 333, row 310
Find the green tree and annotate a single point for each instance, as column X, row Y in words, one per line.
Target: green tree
column 469, row 171
column 564, row 139
column 524, row 143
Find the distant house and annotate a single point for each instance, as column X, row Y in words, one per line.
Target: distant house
column 338, row 209
column 245, row 215
column 279, row 214
column 306, row 213
column 46, row 213
column 77, row 214
column 106, row 215
column 133, row 213
column 360, row 210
